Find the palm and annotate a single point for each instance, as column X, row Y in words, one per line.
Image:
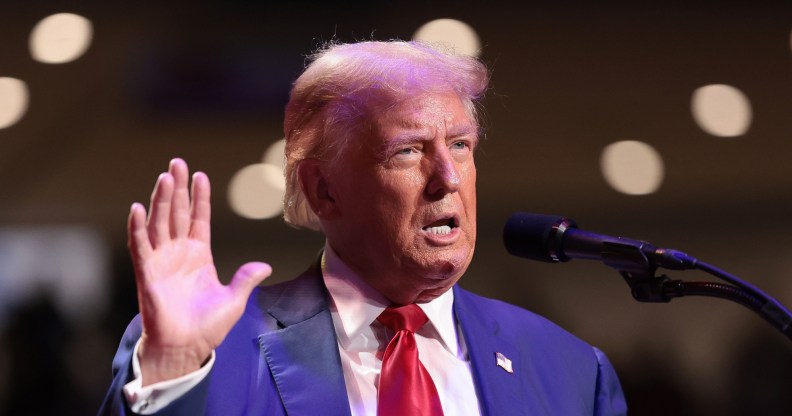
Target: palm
column 182, row 294
column 186, row 311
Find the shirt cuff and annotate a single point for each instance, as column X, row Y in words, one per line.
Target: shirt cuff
column 154, row 397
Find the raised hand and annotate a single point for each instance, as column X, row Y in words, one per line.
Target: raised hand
column 186, row 311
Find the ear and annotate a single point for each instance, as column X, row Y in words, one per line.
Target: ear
column 314, row 181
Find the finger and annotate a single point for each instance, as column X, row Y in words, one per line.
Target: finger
column 180, row 205
column 248, row 277
column 159, row 211
column 201, row 208
column 137, row 234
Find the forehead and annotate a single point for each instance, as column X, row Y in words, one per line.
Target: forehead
column 426, row 112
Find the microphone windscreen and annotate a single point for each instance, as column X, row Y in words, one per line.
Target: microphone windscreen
column 530, row 235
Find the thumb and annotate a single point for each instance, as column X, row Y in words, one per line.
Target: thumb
column 248, row 277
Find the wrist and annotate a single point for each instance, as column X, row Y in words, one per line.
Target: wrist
column 158, row 363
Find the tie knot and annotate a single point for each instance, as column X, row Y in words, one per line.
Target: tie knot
column 409, row 317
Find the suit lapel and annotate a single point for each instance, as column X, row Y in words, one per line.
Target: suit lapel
column 500, row 392
column 303, row 355
column 305, row 363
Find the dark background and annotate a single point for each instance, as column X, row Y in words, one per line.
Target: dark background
column 207, row 81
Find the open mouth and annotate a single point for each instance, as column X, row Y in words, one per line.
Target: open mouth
column 442, row 226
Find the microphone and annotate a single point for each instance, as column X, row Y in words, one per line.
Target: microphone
column 554, row 239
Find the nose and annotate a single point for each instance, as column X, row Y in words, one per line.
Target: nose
column 443, row 176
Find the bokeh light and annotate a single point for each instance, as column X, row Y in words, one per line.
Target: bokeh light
column 14, row 100
column 275, row 154
column 632, row 167
column 60, row 38
column 455, row 33
column 256, row 191
column 721, row 110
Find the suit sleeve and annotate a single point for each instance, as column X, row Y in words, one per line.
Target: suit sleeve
column 115, row 403
column 609, row 397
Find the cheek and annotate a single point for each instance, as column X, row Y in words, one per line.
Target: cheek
column 401, row 190
column 467, row 175
column 414, row 178
column 394, row 198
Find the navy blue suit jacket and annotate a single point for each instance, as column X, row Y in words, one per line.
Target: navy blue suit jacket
column 282, row 358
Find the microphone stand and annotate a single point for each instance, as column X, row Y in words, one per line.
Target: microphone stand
column 639, row 271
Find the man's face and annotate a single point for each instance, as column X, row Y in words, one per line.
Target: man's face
column 406, row 199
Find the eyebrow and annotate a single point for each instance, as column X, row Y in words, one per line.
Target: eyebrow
column 417, row 136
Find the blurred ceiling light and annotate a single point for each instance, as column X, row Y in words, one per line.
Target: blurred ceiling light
column 13, row 101
column 450, row 32
column 256, row 191
column 721, row 110
column 632, row 167
column 60, row 38
column 275, row 153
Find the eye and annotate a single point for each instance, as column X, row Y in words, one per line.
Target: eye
column 408, row 149
column 460, row 145
column 407, row 154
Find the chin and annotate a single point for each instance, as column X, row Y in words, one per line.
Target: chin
column 430, row 295
column 449, row 266
column 437, row 277
column 444, row 271
column 454, row 262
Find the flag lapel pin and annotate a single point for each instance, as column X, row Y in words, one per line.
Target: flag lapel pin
column 504, row 362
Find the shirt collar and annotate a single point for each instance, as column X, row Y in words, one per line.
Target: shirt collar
column 355, row 304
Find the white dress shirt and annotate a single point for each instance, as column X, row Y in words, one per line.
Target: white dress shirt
column 362, row 340
column 354, row 307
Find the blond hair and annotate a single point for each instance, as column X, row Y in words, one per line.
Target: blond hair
column 345, row 83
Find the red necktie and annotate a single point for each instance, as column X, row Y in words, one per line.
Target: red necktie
column 405, row 387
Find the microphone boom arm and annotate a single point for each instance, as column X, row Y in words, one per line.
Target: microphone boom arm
column 630, row 259
column 555, row 239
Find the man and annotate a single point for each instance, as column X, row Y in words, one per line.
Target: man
column 380, row 141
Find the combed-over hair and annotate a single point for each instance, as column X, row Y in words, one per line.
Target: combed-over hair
column 345, row 83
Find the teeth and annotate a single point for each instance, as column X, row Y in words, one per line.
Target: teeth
column 443, row 229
